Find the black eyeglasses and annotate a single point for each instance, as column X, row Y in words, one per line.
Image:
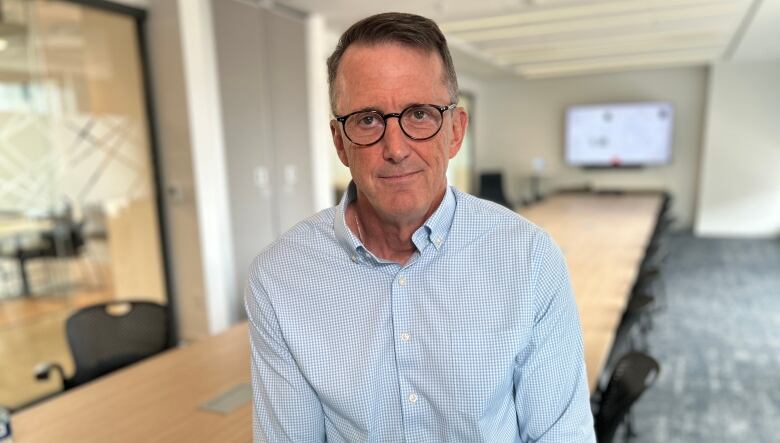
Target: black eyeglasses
column 418, row 122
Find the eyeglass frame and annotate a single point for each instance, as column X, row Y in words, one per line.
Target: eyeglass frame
column 441, row 108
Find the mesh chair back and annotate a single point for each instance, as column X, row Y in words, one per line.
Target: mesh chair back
column 633, row 374
column 491, row 188
column 108, row 336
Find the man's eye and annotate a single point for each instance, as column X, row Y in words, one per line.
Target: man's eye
column 421, row 114
column 369, row 120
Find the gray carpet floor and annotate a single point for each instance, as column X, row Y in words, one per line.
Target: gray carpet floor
column 718, row 343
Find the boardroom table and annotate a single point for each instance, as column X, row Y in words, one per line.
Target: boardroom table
column 603, row 237
column 172, row 397
column 166, row 398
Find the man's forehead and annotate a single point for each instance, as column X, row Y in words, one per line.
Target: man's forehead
column 390, row 46
column 383, row 57
column 389, row 67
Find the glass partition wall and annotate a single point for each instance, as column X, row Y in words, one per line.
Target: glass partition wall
column 79, row 220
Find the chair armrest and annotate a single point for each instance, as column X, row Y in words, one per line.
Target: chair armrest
column 42, row 370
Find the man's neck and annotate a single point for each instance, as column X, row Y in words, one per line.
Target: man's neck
column 388, row 239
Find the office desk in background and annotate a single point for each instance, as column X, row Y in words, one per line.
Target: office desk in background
column 603, row 237
column 13, row 230
column 157, row 400
column 21, row 226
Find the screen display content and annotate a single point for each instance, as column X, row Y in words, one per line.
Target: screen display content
column 615, row 135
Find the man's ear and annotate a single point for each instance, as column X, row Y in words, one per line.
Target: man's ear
column 338, row 142
column 460, row 120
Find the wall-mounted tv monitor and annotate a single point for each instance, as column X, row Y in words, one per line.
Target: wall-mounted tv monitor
column 620, row 134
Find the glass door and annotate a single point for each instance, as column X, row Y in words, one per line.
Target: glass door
column 79, row 220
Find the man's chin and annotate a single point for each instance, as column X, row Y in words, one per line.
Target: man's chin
column 402, row 207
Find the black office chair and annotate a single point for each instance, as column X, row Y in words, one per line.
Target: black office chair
column 647, row 279
column 108, row 336
column 630, row 335
column 633, row 374
column 491, row 188
column 655, row 255
column 650, row 283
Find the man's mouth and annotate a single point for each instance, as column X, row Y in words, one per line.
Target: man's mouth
column 399, row 176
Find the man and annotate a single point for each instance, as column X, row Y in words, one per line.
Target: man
column 411, row 311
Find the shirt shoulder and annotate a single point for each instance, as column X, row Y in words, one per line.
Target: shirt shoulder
column 477, row 218
column 313, row 235
column 489, row 231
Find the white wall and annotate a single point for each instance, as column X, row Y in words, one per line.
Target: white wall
column 209, row 163
column 242, row 48
column 525, row 119
column 263, row 70
column 175, row 153
column 319, row 45
column 740, row 182
column 237, row 147
column 476, row 87
column 230, row 80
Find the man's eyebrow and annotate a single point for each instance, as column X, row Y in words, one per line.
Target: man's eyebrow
column 379, row 110
column 364, row 109
column 370, row 108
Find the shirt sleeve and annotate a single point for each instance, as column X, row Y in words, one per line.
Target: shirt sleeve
column 286, row 408
column 551, row 387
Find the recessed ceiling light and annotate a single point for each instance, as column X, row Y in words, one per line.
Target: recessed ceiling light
column 3, row 44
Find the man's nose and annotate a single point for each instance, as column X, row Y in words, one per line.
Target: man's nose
column 395, row 142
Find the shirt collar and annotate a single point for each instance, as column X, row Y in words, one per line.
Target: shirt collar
column 345, row 237
column 434, row 231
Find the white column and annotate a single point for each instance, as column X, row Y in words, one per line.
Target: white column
column 317, row 51
column 209, row 165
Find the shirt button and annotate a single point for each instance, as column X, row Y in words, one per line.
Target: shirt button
column 413, row 397
column 405, row 336
column 402, row 281
column 437, row 242
column 354, row 258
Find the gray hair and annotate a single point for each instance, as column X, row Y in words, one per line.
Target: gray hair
column 408, row 30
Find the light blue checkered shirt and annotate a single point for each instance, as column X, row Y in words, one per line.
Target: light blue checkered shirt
column 475, row 339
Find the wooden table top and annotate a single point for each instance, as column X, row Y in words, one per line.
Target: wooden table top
column 603, row 237
column 156, row 400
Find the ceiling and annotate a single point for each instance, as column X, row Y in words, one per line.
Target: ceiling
column 526, row 38
column 554, row 38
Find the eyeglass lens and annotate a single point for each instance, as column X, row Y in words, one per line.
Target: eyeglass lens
column 417, row 122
